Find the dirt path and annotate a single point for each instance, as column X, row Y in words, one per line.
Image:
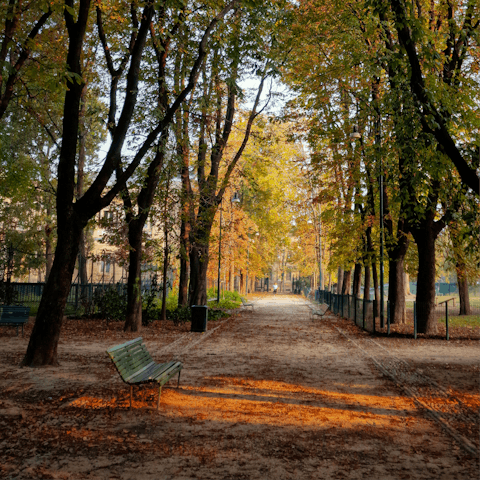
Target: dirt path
column 268, row 394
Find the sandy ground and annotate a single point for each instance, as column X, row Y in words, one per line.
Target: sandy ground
column 268, row 394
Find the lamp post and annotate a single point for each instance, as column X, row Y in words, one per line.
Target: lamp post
column 378, row 143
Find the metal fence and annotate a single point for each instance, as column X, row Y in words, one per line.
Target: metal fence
column 366, row 314
column 354, row 308
column 29, row 294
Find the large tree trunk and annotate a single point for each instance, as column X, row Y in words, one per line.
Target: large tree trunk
column 357, row 279
column 347, row 282
column 133, row 320
column 463, row 290
column 396, row 279
column 166, row 252
column 339, row 280
column 425, row 235
column 184, row 265
column 42, row 347
column 198, row 274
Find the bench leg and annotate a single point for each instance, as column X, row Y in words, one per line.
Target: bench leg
column 178, row 383
column 131, row 395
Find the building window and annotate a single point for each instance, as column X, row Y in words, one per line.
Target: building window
column 104, row 267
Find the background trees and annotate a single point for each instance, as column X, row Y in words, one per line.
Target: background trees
column 166, row 80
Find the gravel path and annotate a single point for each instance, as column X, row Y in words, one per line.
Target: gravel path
column 268, row 394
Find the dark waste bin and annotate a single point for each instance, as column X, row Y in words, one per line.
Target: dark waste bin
column 199, row 318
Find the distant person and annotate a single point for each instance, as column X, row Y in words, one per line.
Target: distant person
column 275, row 287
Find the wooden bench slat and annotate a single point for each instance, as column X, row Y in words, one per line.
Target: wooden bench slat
column 151, row 374
column 167, row 374
column 133, row 364
column 132, row 374
column 123, row 345
column 119, row 355
column 130, row 357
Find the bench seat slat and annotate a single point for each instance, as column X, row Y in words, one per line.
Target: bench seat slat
column 163, row 377
column 131, row 378
column 151, row 374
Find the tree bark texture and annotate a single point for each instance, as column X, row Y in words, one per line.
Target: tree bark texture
column 357, row 279
column 465, row 308
column 396, row 278
column 42, row 347
column 347, row 277
column 198, row 273
column 425, row 234
column 133, row 320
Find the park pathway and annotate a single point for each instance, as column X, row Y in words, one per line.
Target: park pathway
column 265, row 394
column 273, row 394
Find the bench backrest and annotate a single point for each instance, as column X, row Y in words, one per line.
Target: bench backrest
column 130, row 358
column 323, row 308
column 14, row 313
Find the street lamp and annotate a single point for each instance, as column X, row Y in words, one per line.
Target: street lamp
column 354, row 135
column 378, row 143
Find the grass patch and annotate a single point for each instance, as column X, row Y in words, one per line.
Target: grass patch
column 462, row 320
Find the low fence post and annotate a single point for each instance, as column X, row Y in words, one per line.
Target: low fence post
column 446, row 320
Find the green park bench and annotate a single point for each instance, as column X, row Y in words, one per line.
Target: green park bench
column 13, row 315
column 136, row 366
column 319, row 311
column 245, row 303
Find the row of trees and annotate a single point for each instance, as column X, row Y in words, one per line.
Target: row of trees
column 404, row 77
column 152, row 84
column 111, row 100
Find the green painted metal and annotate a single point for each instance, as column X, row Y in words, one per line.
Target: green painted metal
column 136, row 366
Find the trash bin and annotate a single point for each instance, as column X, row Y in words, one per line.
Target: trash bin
column 199, row 318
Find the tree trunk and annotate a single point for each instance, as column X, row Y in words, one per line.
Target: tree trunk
column 357, row 279
column 339, row 280
column 347, row 279
column 42, row 347
column 463, row 290
column 425, row 300
column 165, row 274
column 366, row 287
column 184, row 265
column 198, row 274
column 396, row 279
column 133, row 320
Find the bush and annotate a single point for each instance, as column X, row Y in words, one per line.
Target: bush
column 111, row 303
column 150, row 307
column 179, row 315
